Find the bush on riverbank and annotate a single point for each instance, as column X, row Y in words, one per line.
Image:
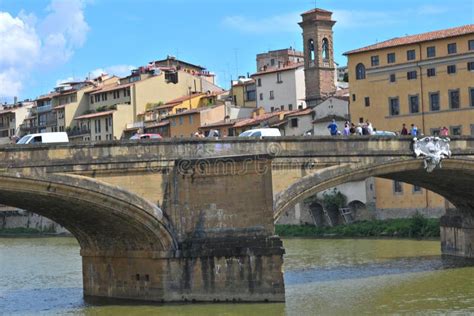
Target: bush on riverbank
column 20, row 231
column 414, row 227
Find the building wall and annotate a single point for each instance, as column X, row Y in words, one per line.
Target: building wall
column 304, row 124
column 285, row 93
column 331, row 107
column 378, row 88
column 185, row 125
column 281, row 56
column 155, row 89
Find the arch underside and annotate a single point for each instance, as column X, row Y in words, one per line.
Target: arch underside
column 454, row 181
column 100, row 216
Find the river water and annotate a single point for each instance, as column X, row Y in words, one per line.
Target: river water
column 322, row 277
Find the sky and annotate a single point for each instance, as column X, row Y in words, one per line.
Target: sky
column 46, row 42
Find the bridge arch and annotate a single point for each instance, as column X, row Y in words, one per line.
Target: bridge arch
column 102, row 217
column 453, row 181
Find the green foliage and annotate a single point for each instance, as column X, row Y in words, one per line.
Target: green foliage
column 334, row 200
column 414, row 227
column 19, row 231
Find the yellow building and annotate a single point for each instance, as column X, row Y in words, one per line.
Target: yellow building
column 187, row 123
column 244, row 93
column 426, row 80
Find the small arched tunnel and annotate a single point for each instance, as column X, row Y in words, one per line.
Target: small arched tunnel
column 454, row 181
column 100, row 216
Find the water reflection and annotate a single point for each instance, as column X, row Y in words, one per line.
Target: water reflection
column 330, row 277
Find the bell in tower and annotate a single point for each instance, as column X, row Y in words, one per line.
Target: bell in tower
column 318, row 55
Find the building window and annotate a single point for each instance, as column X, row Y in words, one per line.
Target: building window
column 294, row 122
column 414, row 104
column 272, row 109
column 454, row 99
column 290, row 107
column 431, row 51
column 431, row 72
column 471, row 96
column 360, row 71
column 397, row 187
column 325, row 49
column 452, row 49
column 367, row 101
column 435, row 131
column 97, row 98
column 374, row 61
column 411, row 75
column 434, row 101
column 390, row 58
column 470, row 66
column 261, row 96
column 282, row 107
column 411, row 54
column 456, row 130
column 180, row 119
column 470, row 44
column 104, row 96
column 92, row 99
column 259, row 82
column 394, row 106
column 353, row 97
column 416, row 189
column 272, row 62
column 190, row 119
column 393, row 78
column 272, row 95
column 279, row 77
column 451, row 69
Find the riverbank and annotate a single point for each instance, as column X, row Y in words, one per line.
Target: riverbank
column 415, row 227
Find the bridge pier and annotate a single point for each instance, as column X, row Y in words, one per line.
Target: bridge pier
column 221, row 211
column 234, row 271
column 457, row 233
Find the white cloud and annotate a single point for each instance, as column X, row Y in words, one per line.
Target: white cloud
column 29, row 43
column 272, row 24
column 117, row 70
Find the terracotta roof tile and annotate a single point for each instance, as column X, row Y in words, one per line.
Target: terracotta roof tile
column 412, row 39
column 92, row 115
column 272, row 70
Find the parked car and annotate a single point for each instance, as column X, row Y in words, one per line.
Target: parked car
column 146, row 136
column 261, row 132
column 44, row 138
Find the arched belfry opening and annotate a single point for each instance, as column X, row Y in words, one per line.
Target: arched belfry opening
column 311, row 53
column 325, row 50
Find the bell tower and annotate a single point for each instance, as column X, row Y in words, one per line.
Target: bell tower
column 318, row 55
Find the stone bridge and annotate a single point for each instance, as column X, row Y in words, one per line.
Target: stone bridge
column 193, row 220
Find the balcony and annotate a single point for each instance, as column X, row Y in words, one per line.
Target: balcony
column 78, row 132
column 135, row 125
column 44, row 108
column 48, row 123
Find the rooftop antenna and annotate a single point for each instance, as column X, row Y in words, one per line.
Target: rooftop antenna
column 236, row 50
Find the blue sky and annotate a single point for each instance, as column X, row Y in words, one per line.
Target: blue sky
column 45, row 41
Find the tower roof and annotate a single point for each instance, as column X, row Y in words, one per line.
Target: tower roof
column 316, row 10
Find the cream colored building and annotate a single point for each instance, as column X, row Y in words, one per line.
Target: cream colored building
column 11, row 118
column 426, row 80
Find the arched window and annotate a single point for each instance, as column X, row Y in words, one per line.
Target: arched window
column 325, row 49
column 360, row 71
column 311, row 54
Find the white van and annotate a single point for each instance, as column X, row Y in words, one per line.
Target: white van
column 44, row 138
column 261, row 132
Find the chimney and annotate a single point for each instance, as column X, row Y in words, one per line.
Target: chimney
column 15, row 100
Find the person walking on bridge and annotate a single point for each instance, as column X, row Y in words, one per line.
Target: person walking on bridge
column 333, row 128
